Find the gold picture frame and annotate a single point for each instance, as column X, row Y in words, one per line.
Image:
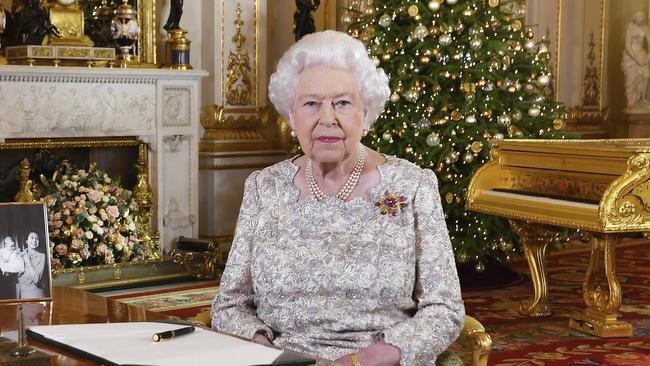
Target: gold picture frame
column 25, row 259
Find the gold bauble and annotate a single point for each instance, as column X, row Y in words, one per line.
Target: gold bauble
column 493, row 3
column 529, row 33
column 558, row 124
column 449, row 197
column 512, row 88
column 487, row 113
column 462, row 256
column 413, row 10
column 476, row 146
column 455, row 115
column 408, row 149
column 425, row 60
column 517, row 25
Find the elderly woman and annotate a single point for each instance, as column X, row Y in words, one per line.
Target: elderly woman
column 343, row 252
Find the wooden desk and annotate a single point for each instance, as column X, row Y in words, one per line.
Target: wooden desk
column 72, row 306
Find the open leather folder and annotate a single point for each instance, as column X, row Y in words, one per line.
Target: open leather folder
column 132, row 344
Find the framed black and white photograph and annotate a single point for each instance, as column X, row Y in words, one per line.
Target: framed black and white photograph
column 25, row 270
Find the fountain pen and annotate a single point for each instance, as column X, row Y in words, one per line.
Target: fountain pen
column 172, row 333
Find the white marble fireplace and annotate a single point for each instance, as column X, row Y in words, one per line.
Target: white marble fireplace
column 160, row 107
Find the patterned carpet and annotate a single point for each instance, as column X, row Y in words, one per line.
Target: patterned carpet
column 517, row 340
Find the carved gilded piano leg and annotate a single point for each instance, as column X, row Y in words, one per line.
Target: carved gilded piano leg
column 602, row 292
column 535, row 238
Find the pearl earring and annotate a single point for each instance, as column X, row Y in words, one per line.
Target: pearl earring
column 293, row 133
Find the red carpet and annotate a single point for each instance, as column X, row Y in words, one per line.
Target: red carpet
column 517, row 340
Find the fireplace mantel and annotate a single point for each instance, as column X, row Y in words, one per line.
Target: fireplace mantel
column 160, row 107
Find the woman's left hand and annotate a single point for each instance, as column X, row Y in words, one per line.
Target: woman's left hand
column 377, row 354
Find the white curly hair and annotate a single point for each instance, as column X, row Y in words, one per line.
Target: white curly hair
column 336, row 50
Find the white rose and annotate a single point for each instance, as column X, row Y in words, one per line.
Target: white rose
column 92, row 218
column 132, row 226
column 89, row 235
column 105, row 199
column 100, row 222
column 98, row 229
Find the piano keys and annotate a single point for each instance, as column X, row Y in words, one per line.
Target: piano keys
column 601, row 187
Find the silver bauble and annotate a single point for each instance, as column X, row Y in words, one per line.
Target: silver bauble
column 420, row 32
column 434, row 5
column 385, row 20
column 433, row 139
column 479, row 267
column 475, row 43
column 452, row 2
column 445, row 39
column 543, row 80
column 504, row 119
column 470, row 119
column 394, row 97
column 468, row 157
column 386, row 136
column 534, row 111
column 529, row 45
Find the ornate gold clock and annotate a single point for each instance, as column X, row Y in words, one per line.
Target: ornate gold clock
column 68, row 18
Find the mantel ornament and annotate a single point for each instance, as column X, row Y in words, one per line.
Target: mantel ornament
column 177, row 46
column 68, row 18
column 125, row 29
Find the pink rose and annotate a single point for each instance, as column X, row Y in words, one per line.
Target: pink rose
column 56, row 263
column 94, row 195
column 76, row 244
column 101, row 249
column 68, row 220
column 113, row 212
column 62, row 249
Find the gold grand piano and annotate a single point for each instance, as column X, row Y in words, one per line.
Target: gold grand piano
column 601, row 187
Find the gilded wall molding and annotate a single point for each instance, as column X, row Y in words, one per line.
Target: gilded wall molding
column 591, row 81
column 239, row 88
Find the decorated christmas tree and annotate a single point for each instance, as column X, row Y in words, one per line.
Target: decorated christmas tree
column 463, row 73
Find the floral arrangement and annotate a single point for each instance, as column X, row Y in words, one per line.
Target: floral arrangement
column 92, row 220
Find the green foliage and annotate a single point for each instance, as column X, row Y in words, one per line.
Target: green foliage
column 462, row 74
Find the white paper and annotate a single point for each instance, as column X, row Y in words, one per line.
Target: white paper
column 131, row 343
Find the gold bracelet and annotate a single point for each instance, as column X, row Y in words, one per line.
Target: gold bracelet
column 354, row 357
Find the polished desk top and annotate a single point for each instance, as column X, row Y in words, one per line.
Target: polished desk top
column 71, row 306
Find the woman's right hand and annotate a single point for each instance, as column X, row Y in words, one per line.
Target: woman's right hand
column 260, row 337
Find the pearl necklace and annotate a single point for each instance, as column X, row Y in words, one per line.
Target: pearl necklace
column 349, row 185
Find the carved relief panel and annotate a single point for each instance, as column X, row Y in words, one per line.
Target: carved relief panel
column 54, row 107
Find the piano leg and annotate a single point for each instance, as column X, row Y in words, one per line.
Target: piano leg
column 535, row 238
column 602, row 292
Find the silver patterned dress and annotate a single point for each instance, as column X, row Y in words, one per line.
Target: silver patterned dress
column 329, row 277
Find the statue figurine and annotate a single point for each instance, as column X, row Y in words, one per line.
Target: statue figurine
column 32, row 24
column 636, row 63
column 303, row 17
column 175, row 13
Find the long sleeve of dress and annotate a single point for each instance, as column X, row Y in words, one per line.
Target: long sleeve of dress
column 440, row 314
column 234, row 310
